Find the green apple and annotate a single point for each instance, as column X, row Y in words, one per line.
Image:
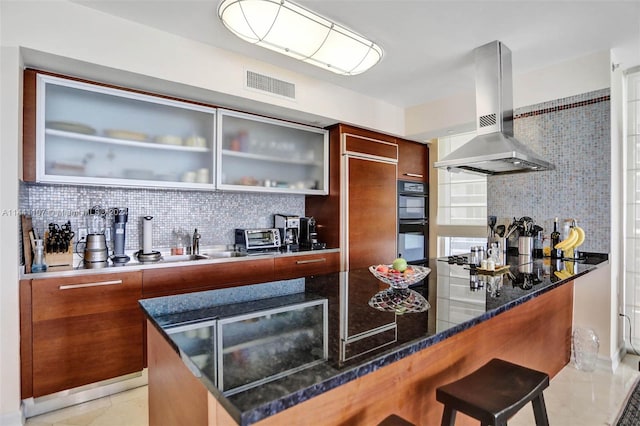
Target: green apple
column 399, row 264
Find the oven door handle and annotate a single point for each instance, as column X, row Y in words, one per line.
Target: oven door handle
column 413, row 222
column 413, row 194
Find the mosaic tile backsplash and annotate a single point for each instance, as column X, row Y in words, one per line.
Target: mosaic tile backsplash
column 573, row 134
column 215, row 214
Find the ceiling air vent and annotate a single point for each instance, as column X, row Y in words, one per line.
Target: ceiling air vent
column 271, row 85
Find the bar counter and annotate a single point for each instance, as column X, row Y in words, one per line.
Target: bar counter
column 344, row 347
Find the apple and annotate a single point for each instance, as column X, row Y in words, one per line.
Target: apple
column 399, row 264
column 383, row 269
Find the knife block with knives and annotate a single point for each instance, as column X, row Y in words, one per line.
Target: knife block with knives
column 58, row 260
column 58, row 246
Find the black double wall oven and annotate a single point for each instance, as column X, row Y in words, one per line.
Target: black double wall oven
column 413, row 221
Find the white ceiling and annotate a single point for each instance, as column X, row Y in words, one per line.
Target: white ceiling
column 427, row 44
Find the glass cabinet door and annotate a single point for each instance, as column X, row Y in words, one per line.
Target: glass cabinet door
column 91, row 134
column 260, row 347
column 267, row 155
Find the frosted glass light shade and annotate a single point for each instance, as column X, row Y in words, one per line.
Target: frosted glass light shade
column 292, row 30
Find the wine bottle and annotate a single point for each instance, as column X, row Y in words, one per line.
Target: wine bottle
column 555, row 239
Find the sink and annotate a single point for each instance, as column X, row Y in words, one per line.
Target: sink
column 205, row 254
column 216, row 254
column 182, row 258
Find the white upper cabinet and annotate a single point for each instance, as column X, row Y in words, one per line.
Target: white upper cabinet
column 267, row 155
column 96, row 135
column 92, row 134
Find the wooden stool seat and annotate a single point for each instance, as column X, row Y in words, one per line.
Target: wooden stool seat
column 494, row 393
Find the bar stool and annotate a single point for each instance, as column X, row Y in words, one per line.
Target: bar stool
column 494, row 393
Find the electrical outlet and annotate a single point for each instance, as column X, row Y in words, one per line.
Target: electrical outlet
column 82, row 234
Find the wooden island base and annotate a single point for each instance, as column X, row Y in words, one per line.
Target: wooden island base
column 536, row 334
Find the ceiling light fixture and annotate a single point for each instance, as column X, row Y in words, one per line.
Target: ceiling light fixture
column 292, row 30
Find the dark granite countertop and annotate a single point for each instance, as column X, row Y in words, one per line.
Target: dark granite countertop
column 263, row 348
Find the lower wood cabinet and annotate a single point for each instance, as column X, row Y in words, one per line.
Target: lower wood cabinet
column 85, row 329
column 287, row 267
column 88, row 328
column 176, row 280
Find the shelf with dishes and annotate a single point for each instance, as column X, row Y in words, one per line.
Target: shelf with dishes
column 126, row 138
column 272, row 158
column 262, row 154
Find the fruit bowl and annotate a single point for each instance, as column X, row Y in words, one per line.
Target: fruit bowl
column 396, row 279
column 399, row 301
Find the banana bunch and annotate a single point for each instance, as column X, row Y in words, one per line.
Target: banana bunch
column 574, row 239
column 563, row 275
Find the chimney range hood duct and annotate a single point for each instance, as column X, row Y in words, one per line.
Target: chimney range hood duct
column 494, row 151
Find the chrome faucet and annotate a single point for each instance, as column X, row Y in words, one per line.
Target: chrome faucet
column 195, row 244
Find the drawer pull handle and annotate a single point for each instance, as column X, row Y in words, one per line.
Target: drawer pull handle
column 72, row 286
column 416, row 175
column 302, row 262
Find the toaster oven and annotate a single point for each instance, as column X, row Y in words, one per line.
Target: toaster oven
column 258, row 239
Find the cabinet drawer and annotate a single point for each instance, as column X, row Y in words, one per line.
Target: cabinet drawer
column 165, row 281
column 71, row 352
column 357, row 144
column 299, row 266
column 83, row 295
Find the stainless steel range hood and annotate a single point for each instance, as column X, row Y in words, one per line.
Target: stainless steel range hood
column 494, row 151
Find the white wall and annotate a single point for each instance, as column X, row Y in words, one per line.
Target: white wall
column 592, row 309
column 569, row 78
column 10, row 135
column 457, row 113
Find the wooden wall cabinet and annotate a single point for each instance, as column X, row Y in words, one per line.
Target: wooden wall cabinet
column 85, row 329
column 413, row 161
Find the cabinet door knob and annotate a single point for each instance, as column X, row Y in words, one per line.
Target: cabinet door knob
column 416, row 175
column 302, row 262
column 96, row 284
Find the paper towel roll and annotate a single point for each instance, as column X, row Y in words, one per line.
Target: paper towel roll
column 147, row 235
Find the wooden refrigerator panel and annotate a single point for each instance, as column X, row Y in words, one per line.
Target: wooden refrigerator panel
column 372, row 212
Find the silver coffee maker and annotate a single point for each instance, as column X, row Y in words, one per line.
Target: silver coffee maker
column 289, row 226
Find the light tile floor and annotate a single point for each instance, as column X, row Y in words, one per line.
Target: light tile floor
column 574, row 398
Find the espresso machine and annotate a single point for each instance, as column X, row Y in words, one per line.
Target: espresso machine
column 309, row 234
column 289, row 226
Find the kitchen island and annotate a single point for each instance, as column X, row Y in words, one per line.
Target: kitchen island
column 317, row 352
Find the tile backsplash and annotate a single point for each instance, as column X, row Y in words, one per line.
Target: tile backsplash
column 215, row 214
column 574, row 134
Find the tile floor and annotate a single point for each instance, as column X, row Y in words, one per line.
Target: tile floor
column 574, row 398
